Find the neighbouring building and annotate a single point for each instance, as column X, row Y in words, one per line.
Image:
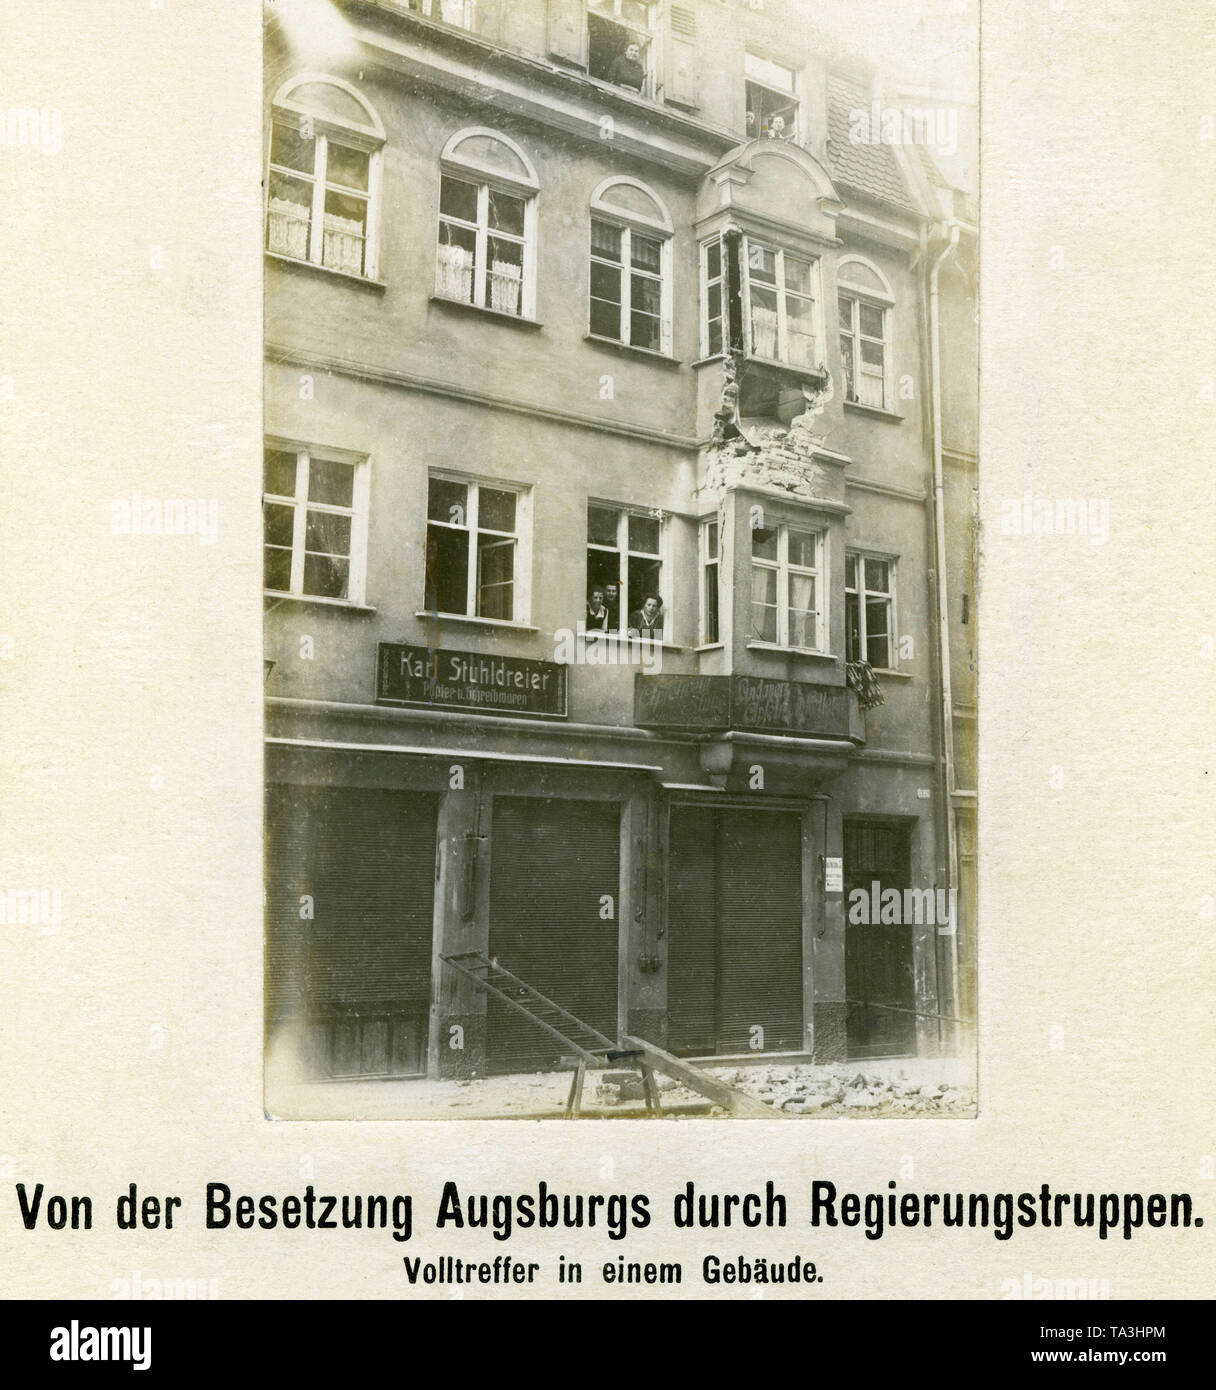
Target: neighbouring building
column 620, row 445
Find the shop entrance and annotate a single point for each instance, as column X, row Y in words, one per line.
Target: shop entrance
column 554, row 920
column 734, row 921
column 350, row 883
column 879, row 980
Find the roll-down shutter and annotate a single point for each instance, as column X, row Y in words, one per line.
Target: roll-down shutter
column 735, row 925
column 350, row 905
column 554, row 862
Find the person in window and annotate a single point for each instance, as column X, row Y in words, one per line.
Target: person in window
column 776, row 128
column 612, row 601
column 597, row 611
column 647, row 621
column 627, row 69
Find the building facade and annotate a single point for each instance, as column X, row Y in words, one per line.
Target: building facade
column 620, row 426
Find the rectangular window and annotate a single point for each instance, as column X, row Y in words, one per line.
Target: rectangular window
column 314, row 523
column 710, row 573
column 620, row 43
column 772, row 102
column 863, row 351
column 483, row 241
column 780, row 294
column 628, row 286
column 787, row 597
column 473, row 540
column 625, row 553
column 319, row 199
column 869, row 610
column 713, row 299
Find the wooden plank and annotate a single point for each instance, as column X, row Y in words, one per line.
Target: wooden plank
column 737, row 1102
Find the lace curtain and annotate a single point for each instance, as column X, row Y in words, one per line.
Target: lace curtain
column 288, row 230
column 343, row 248
column 506, row 280
column 455, row 272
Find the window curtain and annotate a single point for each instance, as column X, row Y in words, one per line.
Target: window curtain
column 288, row 230
column 455, row 272
column 870, row 388
column 506, row 281
column 764, row 332
column 343, row 244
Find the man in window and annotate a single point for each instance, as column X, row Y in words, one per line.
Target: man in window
column 627, row 69
column 648, row 620
column 597, row 611
column 612, row 601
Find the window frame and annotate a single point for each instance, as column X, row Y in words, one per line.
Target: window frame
column 522, row 554
column 525, row 186
column 658, row 228
column 779, row 287
column 793, row 96
column 649, row 42
column 884, row 301
column 369, row 138
column 624, row 553
column 784, row 569
column 358, row 511
column 862, row 594
column 707, row 348
column 708, row 563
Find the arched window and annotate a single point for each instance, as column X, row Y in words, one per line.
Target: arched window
column 487, row 224
column 630, row 266
column 323, row 184
column 866, row 302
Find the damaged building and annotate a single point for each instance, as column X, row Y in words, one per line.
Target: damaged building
column 620, row 454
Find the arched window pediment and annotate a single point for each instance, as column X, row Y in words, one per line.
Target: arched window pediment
column 855, row 273
column 481, row 153
column 333, row 102
column 631, row 200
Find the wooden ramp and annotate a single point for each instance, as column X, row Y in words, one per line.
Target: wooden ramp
column 590, row 1048
column 737, row 1102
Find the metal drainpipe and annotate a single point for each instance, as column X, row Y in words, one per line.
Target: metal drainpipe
column 943, row 613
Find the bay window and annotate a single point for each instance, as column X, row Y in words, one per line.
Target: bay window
column 711, row 569
column 787, row 587
column 780, row 296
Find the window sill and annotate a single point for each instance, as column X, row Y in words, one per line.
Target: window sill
column 515, row 320
column 892, row 675
column 705, row 361
column 622, row 639
column 877, row 411
column 476, row 622
column 317, row 599
column 802, row 373
column 365, row 280
column 753, row 645
column 664, row 358
column 711, row 647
